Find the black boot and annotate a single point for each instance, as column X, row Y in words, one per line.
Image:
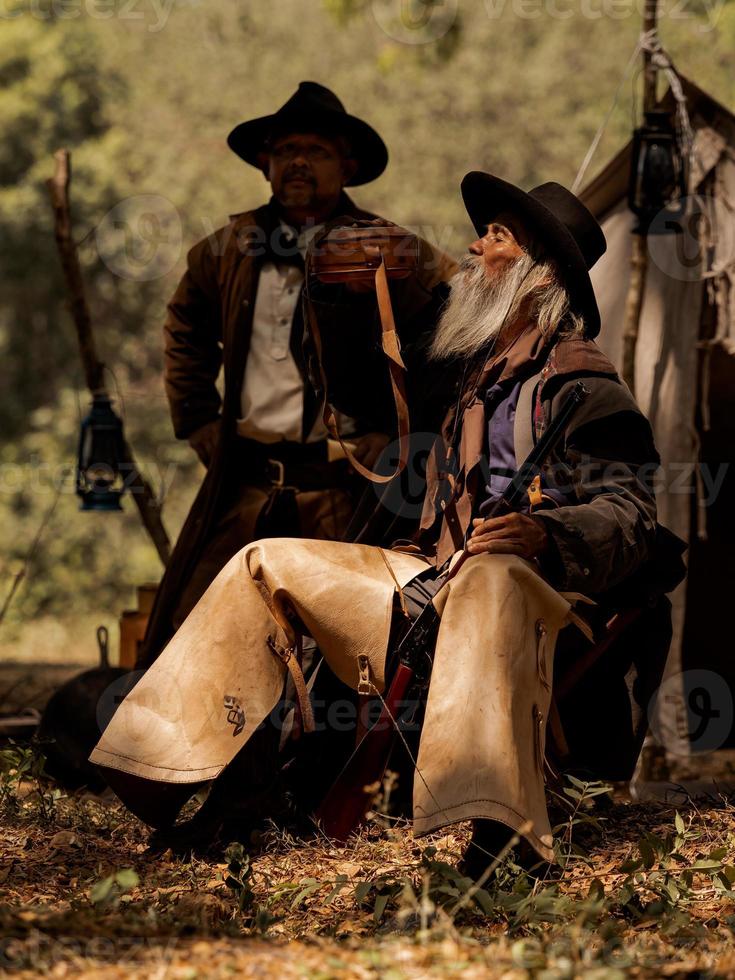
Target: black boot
column 489, row 838
column 242, row 797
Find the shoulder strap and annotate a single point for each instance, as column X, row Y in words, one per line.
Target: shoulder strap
column 396, row 370
column 524, row 425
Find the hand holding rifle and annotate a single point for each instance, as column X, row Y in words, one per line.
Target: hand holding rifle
column 347, row 802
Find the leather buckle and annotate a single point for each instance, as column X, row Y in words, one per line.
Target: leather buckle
column 364, row 684
column 275, row 472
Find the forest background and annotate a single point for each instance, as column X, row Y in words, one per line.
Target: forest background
column 143, row 93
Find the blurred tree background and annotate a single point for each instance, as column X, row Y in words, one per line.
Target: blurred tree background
column 144, row 95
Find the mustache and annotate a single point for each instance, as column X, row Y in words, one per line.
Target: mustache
column 301, row 174
column 470, row 279
column 478, row 306
column 469, row 261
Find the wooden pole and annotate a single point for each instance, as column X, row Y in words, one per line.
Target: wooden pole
column 142, row 492
column 634, row 305
column 650, row 26
column 653, row 757
column 639, row 253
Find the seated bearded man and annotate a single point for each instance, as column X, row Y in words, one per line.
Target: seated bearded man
column 495, row 359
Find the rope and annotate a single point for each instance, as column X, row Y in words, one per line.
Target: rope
column 649, row 42
column 603, row 125
column 660, row 59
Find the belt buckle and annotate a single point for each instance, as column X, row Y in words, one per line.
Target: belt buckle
column 279, row 479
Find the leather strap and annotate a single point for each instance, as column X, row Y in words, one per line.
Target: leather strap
column 289, row 656
column 396, row 370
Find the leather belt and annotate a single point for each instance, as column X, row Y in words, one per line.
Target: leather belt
column 305, row 476
column 299, row 466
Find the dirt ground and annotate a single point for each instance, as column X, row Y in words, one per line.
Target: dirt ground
column 646, row 892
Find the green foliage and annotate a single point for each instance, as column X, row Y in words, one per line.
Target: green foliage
column 55, row 97
column 239, row 879
column 555, row 922
column 658, row 884
column 108, row 892
column 382, row 907
column 344, row 10
column 21, row 764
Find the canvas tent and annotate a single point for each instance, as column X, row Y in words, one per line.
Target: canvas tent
column 685, row 383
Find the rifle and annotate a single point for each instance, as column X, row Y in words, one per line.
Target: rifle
column 347, row 802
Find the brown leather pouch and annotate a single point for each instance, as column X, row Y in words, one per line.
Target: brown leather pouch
column 347, row 253
column 372, row 254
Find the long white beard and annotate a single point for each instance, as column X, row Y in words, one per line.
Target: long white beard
column 478, row 307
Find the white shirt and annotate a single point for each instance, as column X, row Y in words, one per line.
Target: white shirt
column 272, row 399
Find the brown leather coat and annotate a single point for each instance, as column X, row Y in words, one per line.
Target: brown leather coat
column 606, row 542
column 608, row 455
column 207, row 330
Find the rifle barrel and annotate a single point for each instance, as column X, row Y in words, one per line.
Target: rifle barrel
column 529, row 469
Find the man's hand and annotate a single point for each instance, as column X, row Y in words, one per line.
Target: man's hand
column 369, row 447
column 511, row 534
column 204, row 440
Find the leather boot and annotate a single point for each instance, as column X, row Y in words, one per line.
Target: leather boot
column 241, row 799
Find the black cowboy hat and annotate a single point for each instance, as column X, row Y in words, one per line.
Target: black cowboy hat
column 558, row 219
column 315, row 108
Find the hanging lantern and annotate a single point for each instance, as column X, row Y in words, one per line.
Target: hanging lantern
column 658, row 174
column 101, row 457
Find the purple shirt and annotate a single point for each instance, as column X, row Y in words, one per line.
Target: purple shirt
column 500, row 464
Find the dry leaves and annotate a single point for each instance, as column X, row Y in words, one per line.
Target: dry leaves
column 180, row 920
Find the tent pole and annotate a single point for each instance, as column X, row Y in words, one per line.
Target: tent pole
column 141, row 490
column 634, row 305
column 639, row 254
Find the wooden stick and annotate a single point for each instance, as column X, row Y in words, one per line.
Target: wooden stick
column 650, row 23
column 634, row 306
column 639, row 253
column 58, row 187
column 142, row 492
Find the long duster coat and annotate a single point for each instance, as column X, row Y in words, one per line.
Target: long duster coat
column 208, row 328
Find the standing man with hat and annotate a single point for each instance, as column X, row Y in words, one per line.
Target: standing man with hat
column 238, row 308
column 514, row 336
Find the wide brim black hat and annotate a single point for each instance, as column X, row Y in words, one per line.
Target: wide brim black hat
column 558, row 219
column 313, row 108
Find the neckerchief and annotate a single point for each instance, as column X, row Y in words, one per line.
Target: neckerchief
column 452, row 469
